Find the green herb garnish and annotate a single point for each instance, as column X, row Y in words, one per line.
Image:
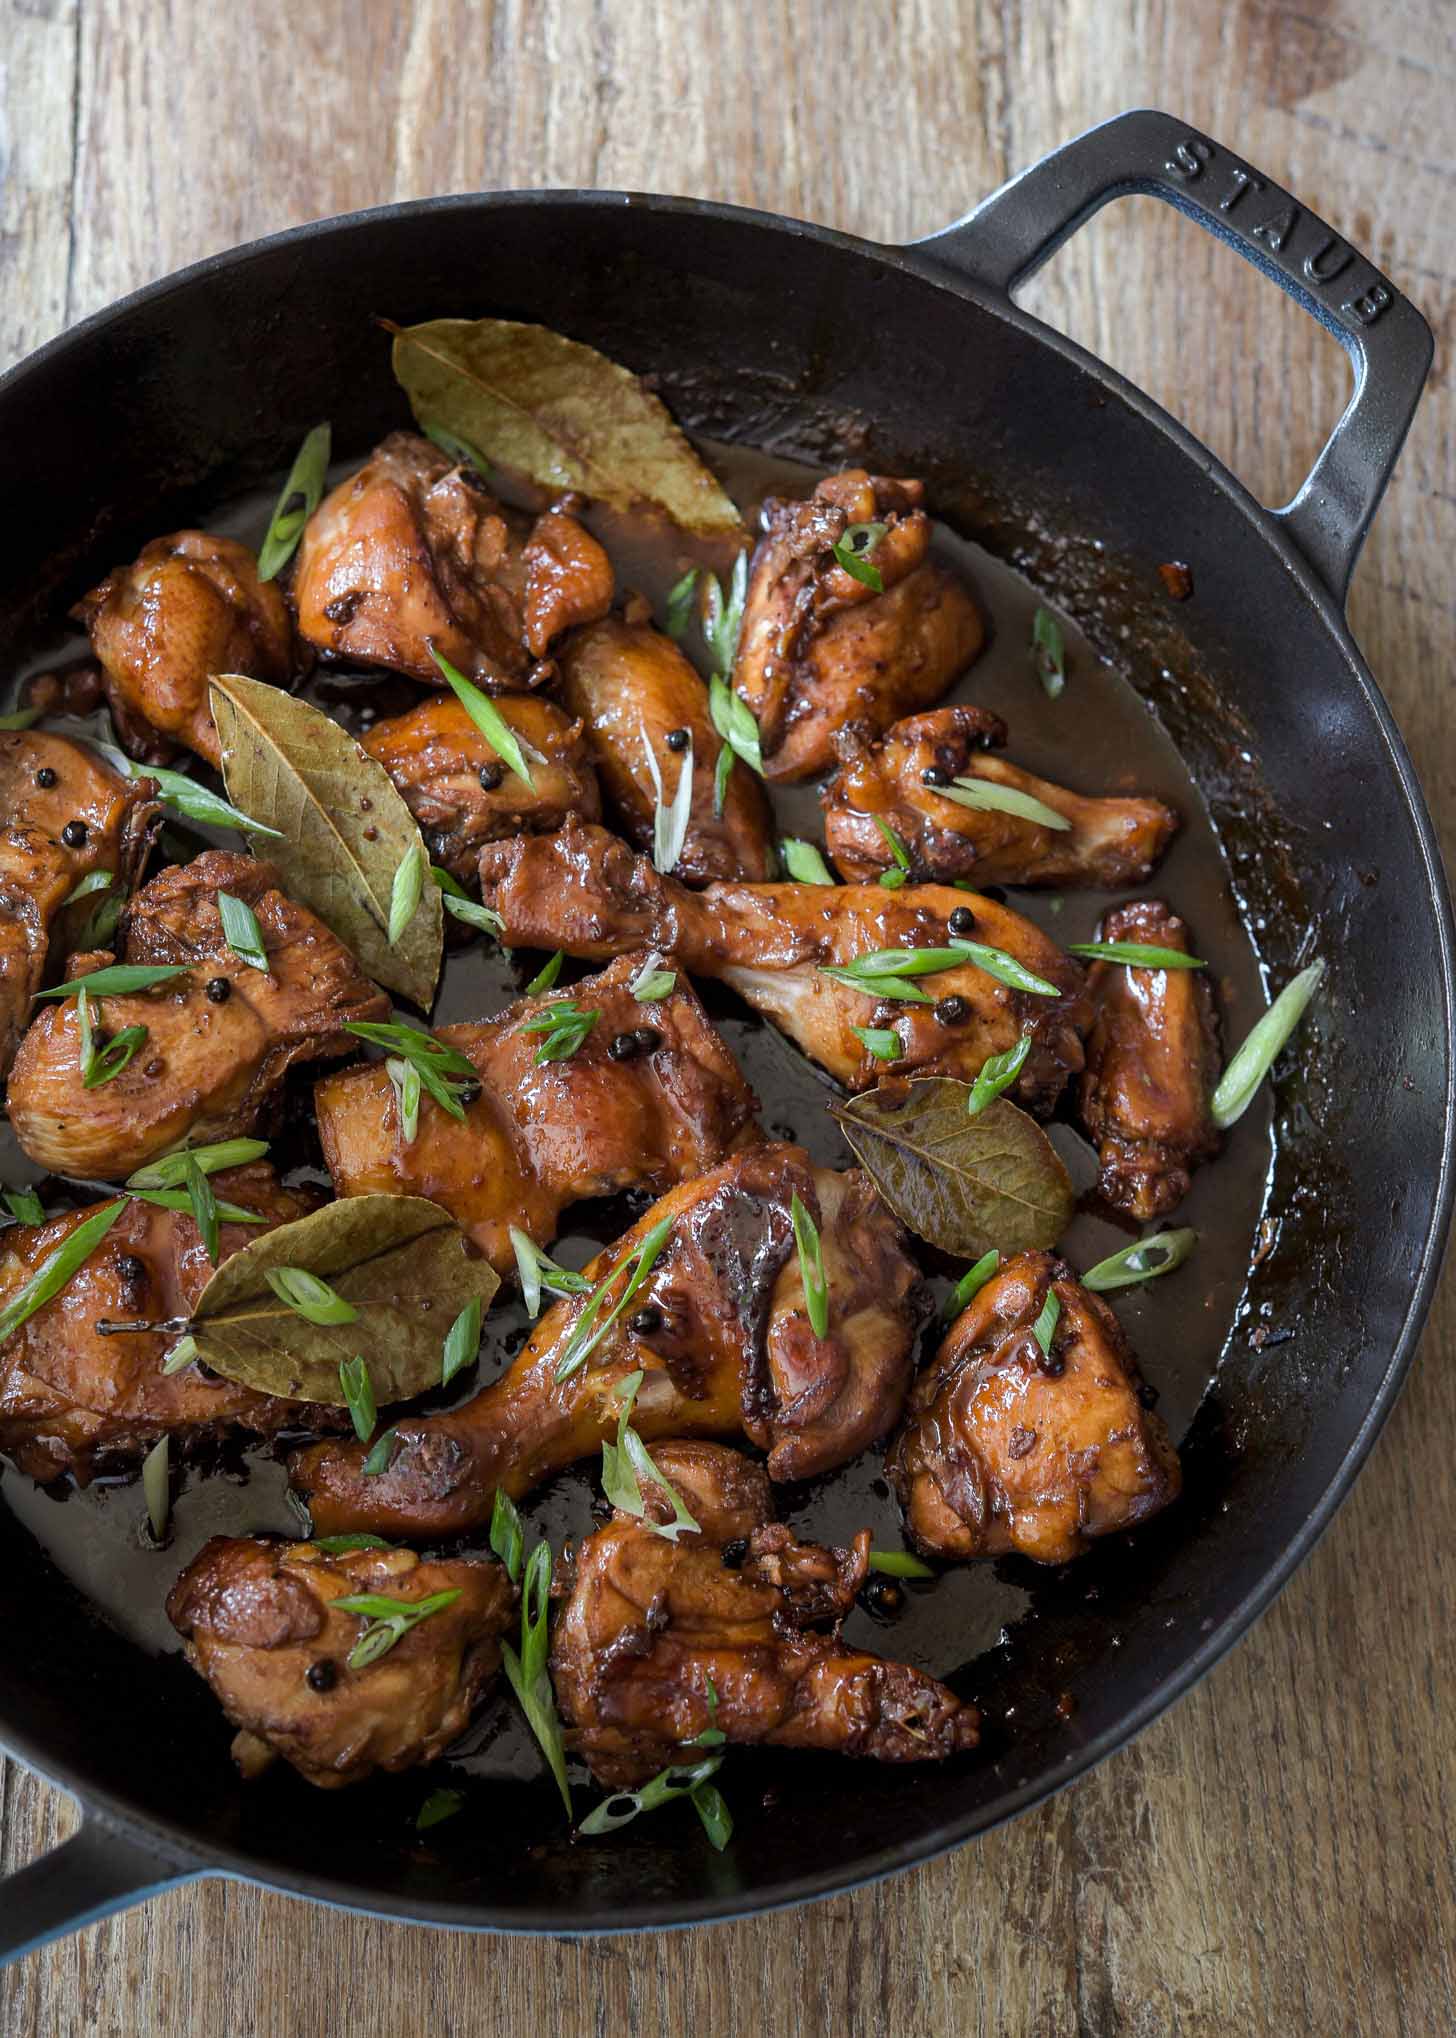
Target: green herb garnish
column 667, row 1787
column 180, row 1357
column 564, row 1026
column 804, row 862
column 25, row 1206
column 712, row 1735
column 527, row 1673
column 457, row 449
column 637, row 1265
column 884, row 973
column 998, row 1072
column 404, row 1079
column 462, row 1341
column 119, row 980
column 101, row 1060
column 1242, row 1077
column 1048, row 652
column 507, row 1533
column 670, row 822
column 733, row 719
column 538, row 1270
column 723, row 620
column 94, row 881
column 390, row 1620
column 179, row 1199
column 303, row 491
column 436, row 1061
column 381, row 1457
column 680, row 604
column 853, row 553
column 439, row 1805
column 899, row 1564
column 811, row 1266
column 488, row 718
column 309, row 1297
column 626, row 1462
column 407, row 890
column 1045, row 1327
column 241, row 932
column 986, row 794
column 358, row 1392
column 1141, row 1261
column 1136, row 954
column 970, row 1285
column 57, row 1268
column 357, row 1539
column 20, row 718
column 184, row 796
column 546, row 976
column 482, row 918
column 171, row 1169
column 893, row 879
column 883, row 1042
column 652, row 983
column 203, row 1205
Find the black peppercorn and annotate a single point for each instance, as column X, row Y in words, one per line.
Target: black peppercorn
column 45, row 778
column 323, row 1675
column 646, row 1321
column 130, row 1268
column 468, row 1092
column 883, row 1595
column 935, row 774
column 624, row 1047
column 734, row 1552
column 951, row 1011
column 1052, row 1364
column 962, row 921
column 678, row 739
column 74, row 835
column 219, row 990
column 647, row 1037
column 491, row 776
column 1148, row 1395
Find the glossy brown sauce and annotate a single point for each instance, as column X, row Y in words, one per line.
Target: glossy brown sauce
column 1098, row 737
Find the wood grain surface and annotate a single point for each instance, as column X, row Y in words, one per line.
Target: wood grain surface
column 1275, row 1856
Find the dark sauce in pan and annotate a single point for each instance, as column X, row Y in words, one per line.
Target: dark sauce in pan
column 1099, row 736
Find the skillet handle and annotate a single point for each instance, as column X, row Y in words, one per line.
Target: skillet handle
column 100, row 1869
column 1019, row 227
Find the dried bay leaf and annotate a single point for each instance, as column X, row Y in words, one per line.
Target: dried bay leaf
column 400, row 1260
column 343, row 830
column 561, row 414
column 961, row 1183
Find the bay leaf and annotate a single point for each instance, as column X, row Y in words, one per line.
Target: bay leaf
column 961, row 1183
column 343, row 830
column 400, row 1260
column 560, row 414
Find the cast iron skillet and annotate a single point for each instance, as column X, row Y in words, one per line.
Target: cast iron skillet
column 774, row 332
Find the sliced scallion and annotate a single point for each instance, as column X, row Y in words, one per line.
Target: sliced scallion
column 1247, row 1070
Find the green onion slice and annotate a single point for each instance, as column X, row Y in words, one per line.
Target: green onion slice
column 407, row 890
column 1048, row 653
column 538, row 1270
column 56, row 1269
column 405, row 1081
column 680, row 604
column 883, row 1042
column 462, row 1341
column 1045, row 1327
column 119, row 980
column 899, row 1564
column 527, row 1673
column 1141, row 1261
column 853, row 550
column 588, row 1333
column 626, row 1463
column 358, row 1392
column 381, row 1457
column 94, row 881
column 987, row 795
column 487, row 717
column 723, row 620
column 172, row 1168
column 390, row 1620
column 302, row 493
column 357, row 1539
column 564, row 1027
column 733, row 719
column 180, row 1357
column 1242, row 1077
column 804, row 862
column 998, row 1073
column 102, row 1060
column 241, row 932
column 482, row 918
column 457, row 449
column 667, row 1787
column 179, row 1199
column 20, row 718
column 25, row 1206
column 438, row 1806
column 669, row 822
column 1136, row 954
column 712, row 1735
column 970, row 1285
column 309, row 1297
column 811, row 1266
column 652, row 982
column 893, row 879
column 436, row 1061
column 507, row 1533
column 546, row 976
column 1006, row 969
column 184, row 796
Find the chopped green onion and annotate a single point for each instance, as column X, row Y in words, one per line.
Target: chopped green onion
column 444, row 882
column 357, row 1539
column 457, row 449
column 652, row 982
column 883, row 1042
column 970, row 1285
column 184, row 796
column 527, row 1673
column 181, row 1356
column 179, row 1199
column 204, row 1207
column 899, row 1564
column 1141, row 1261
column 462, row 1341
column 56, row 1269
column 712, row 1735
column 440, row 1804
column 715, row 1815
column 669, row 823
column 119, row 980
column 241, row 932
column 626, row 1462
column 1048, row 653
column 885, row 966
column 998, row 1073
column 390, row 1620
column 482, row 918
column 811, row 1266
column 588, row 1334
column 1045, row 1327
column 407, row 890
column 309, row 1297
column 538, row 1270
column 877, row 986
column 358, row 1392
column 893, row 879
column 487, row 717
column 381, row 1457
column 507, row 1533
column 1136, row 954
column 172, row 1168
column 853, row 553
column 157, row 1486
column 546, row 976
column 20, row 718
column 404, row 1078
column 303, row 491
column 804, row 862
column 724, row 618
column 900, row 962
column 25, row 1206
column 986, row 794
column 667, row 1787
column 1006, row 969
column 564, row 1026
column 733, row 719
column 680, row 603
column 94, row 881
column 1256, row 1057
column 435, row 1059
column 100, row 1062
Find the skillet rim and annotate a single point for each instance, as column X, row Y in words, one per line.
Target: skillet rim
column 180, row 1845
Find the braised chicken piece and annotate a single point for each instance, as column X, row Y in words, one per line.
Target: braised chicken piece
column 413, row 552
column 1152, row 1067
column 219, row 1039
column 819, row 649
column 190, row 605
column 649, row 1625
column 584, row 891
column 1009, row 1447
column 67, row 817
column 651, row 1097
column 721, row 1330
column 643, row 703
column 461, row 793
column 908, row 783
column 73, row 1396
column 259, row 1620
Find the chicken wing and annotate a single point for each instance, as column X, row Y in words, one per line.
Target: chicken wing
column 1152, row 1065
column 818, row 648
column 68, row 817
column 1007, row 1446
column 642, row 702
column 1110, row 842
column 649, row 1626
column 220, row 1039
column 72, row 1396
column 651, row 1097
column 413, row 552
column 583, row 891
column 259, row 1621
column 460, row 792
column 721, row 1330
column 188, row 606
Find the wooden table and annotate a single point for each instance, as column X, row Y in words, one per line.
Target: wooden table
column 1276, row 1855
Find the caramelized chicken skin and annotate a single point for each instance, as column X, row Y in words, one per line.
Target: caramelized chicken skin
column 721, row 1331
column 1110, row 843
column 1152, row 1066
column 636, row 693
column 1008, row 1448
column 258, row 1621
column 220, row 1038
column 649, row 1625
column 189, row 606
column 71, row 1396
column 461, row 793
column 583, row 891
column 67, row 815
column 622, row 1112
column 819, row 649
column 413, row 552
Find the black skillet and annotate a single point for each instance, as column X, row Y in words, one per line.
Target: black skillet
column 767, row 331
